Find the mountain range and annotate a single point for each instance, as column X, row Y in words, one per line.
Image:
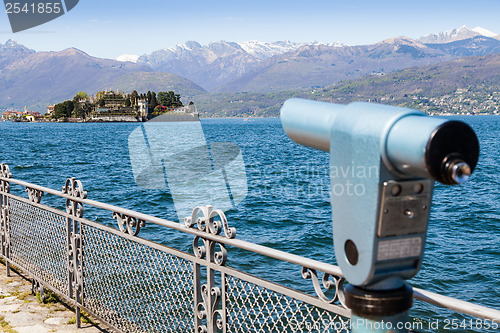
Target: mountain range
column 219, row 63
column 470, row 84
column 255, row 66
column 36, row 79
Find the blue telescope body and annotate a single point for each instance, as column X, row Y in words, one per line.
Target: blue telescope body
column 383, row 163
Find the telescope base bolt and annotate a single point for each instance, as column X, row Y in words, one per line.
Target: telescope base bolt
column 379, row 311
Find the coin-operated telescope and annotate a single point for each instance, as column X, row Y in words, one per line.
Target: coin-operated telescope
column 383, row 163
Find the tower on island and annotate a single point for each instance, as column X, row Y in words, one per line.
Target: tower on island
column 191, row 108
column 142, row 105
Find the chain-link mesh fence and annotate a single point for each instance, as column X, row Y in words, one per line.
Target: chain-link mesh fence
column 253, row 308
column 38, row 243
column 134, row 287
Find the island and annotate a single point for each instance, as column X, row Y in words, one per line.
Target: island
column 112, row 106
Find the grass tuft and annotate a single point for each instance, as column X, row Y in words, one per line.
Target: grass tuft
column 6, row 326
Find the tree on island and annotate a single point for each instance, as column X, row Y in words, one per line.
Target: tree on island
column 82, row 106
column 153, row 102
column 169, row 99
column 79, row 112
column 134, row 96
column 64, row 109
column 80, row 96
column 82, row 109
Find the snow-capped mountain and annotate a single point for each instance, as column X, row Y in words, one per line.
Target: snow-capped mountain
column 262, row 66
column 484, row 32
column 262, row 50
column 211, row 64
column 455, row 35
column 257, row 49
column 218, row 62
column 127, row 57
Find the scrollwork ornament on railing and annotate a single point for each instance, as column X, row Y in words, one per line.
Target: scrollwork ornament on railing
column 5, row 173
column 212, row 222
column 200, row 251
column 208, row 223
column 5, row 230
column 74, row 188
column 74, row 263
column 5, row 227
column 337, row 284
column 211, row 299
column 34, row 195
column 129, row 224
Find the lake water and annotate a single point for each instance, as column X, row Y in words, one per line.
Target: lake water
column 287, row 206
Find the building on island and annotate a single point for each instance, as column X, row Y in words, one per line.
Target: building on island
column 21, row 115
column 12, row 115
column 183, row 113
column 50, row 109
column 118, row 106
column 114, row 100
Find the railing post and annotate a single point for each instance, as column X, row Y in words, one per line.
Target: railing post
column 224, row 302
column 207, row 297
column 197, row 294
column 210, row 292
column 74, row 188
column 35, row 197
column 5, row 217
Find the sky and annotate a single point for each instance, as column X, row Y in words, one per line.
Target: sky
column 110, row 28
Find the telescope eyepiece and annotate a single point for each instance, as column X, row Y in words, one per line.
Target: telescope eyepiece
column 456, row 171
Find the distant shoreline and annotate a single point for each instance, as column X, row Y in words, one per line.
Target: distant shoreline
column 210, row 118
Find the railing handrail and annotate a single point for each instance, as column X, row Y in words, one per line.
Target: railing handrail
column 419, row 294
column 244, row 245
column 457, row 305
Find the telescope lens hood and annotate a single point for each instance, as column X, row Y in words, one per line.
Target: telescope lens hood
column 452, row 152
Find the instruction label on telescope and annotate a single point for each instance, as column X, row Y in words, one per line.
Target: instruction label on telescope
column 399, row 248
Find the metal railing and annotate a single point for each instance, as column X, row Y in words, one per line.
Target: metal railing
column 136, row 285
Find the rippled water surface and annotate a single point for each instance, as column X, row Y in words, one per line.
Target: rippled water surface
column 287, row 206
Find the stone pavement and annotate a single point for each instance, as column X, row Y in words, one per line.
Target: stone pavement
column 22, row 312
